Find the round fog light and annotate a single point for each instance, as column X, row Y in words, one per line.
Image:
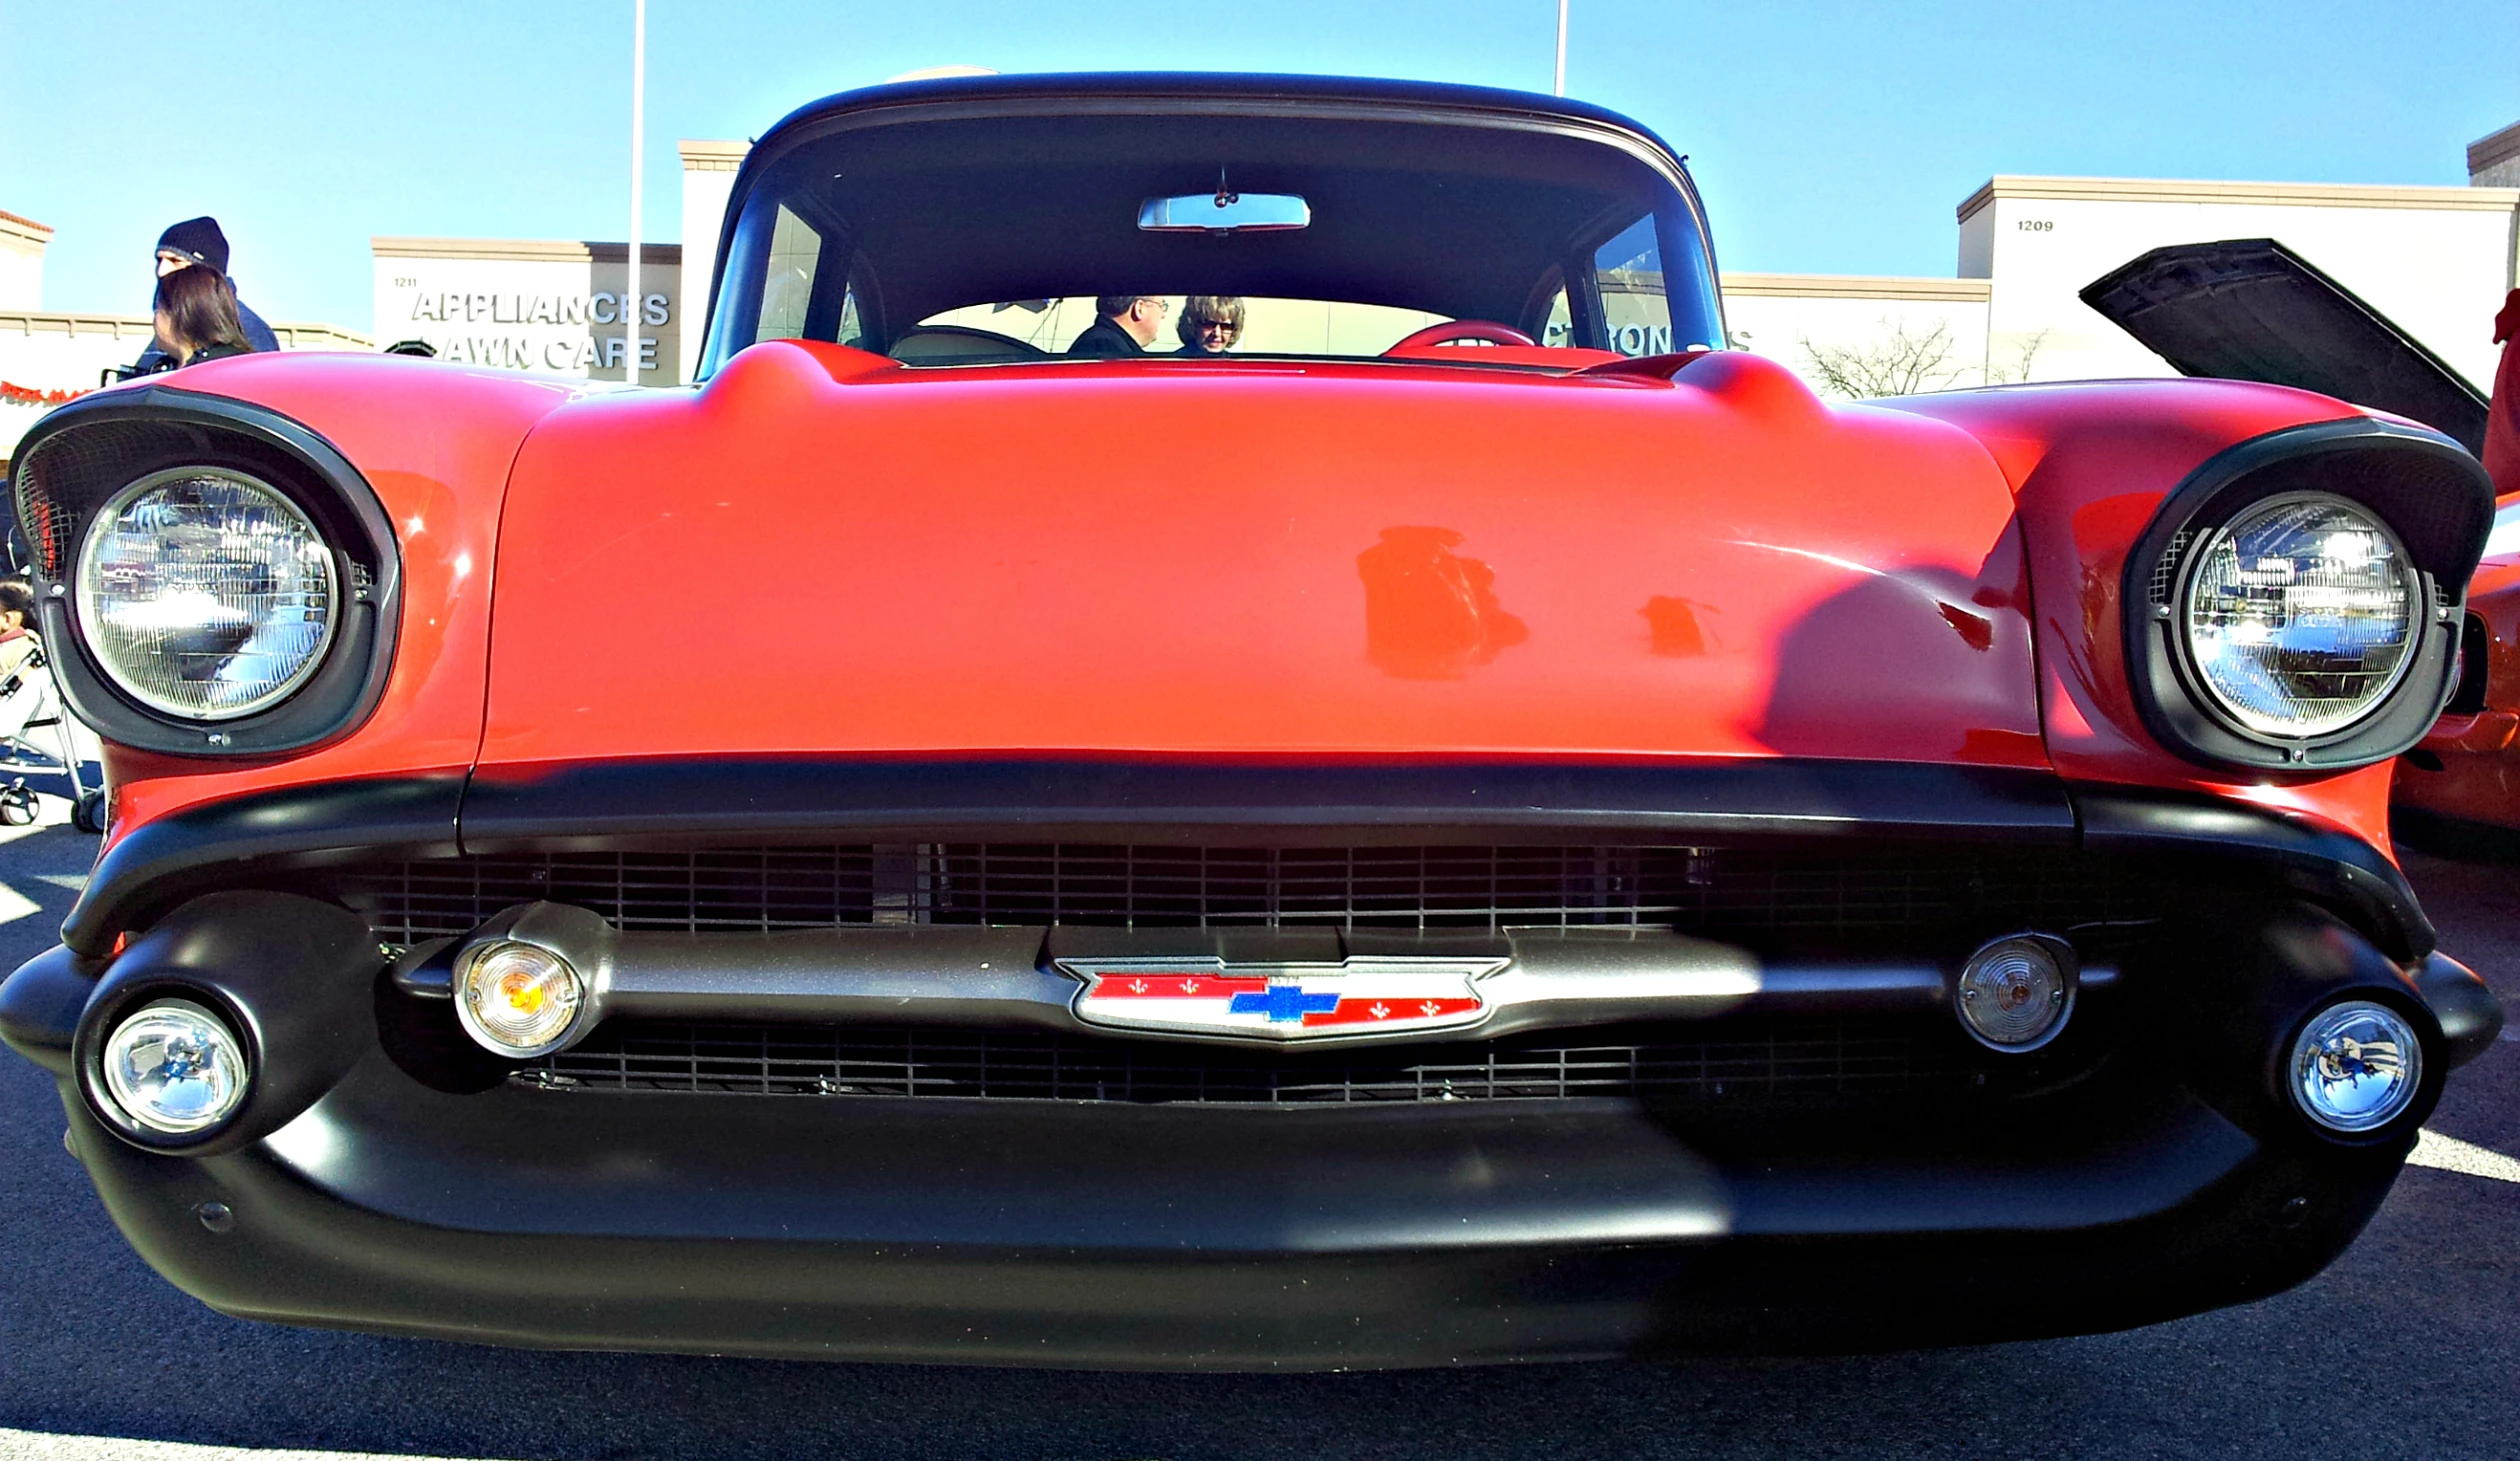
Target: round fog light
column 518, row 999
column 175, row 1068
column 2014, row 993
column 2356, row 1066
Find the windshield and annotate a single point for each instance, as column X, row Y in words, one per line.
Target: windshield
column 1022, row 239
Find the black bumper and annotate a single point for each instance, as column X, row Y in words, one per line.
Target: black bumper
column 1200, row 1236
column 1121, row 1237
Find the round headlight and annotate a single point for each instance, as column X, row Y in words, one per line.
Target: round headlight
column 175, row 1068
column 2356, row 1066
column 518, row 999
column 2302, row 615
column 206, row 594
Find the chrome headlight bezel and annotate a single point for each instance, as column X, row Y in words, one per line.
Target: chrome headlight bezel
column 89, row 614
column 117, row 1006
column 98, row 451
column 2240, row 718
column 131, row 1103
column 2425, row 490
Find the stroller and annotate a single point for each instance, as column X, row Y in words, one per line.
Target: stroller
column 30, row 702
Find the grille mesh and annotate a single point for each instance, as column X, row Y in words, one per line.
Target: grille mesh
column 43, row 526
column 2165, row 575
column 1742, row 1066
column 1464, row 888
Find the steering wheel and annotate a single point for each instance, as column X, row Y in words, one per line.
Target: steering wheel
column 1485, row 330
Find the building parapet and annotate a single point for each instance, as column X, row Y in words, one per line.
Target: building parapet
column 2495, row 161
column 320, row 337
column 707, row 156
column 299, row 336
column 2296, row 195
column 24, row 235
column 1858, row 286
column 54, row 322
column 522, row 250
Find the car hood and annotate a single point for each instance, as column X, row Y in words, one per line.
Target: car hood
column 821, row 555
column 2252, row 309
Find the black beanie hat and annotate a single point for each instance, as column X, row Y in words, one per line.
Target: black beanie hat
column 199, row 240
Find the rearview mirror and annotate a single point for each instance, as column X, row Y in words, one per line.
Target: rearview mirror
column 1223, row 212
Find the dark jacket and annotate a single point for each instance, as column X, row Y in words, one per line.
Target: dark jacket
column 1106, row 339
column 217, row 352
column 257, row 334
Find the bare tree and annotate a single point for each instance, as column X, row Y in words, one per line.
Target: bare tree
column 1996, row 375
column 1898, row 363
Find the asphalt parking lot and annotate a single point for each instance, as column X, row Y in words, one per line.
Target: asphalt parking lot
column 2408, row 1346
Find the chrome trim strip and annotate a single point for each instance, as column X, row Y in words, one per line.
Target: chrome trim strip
column 930, row 974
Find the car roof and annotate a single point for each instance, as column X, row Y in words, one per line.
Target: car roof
column 943, row 109
column 1086, row 88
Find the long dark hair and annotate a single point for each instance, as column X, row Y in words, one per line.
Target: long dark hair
column 200, row 308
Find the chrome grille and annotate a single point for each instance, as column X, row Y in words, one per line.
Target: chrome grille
column 1741, row 1066
column 1713, row 890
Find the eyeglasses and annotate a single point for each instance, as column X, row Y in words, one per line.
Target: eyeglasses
column 1222, row 327
column 1161, row 305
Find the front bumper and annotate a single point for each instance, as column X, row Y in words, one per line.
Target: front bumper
column 1112, row 1236
column 387, row 1190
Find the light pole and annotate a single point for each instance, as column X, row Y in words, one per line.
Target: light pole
column 633, row 306
column 1561, row 46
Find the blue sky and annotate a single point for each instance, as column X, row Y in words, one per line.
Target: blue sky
column 1828, row 137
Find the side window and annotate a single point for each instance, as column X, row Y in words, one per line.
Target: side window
column 787, row 287
column 852, row 318
column 1556, row 319
column 861, row 313
column 1635, row 313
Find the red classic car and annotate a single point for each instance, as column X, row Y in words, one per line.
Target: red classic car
column 1474, row 824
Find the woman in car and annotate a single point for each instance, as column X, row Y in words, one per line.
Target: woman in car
column 1210, row 323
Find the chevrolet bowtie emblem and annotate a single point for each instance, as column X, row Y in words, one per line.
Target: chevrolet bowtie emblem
column 1380, row 994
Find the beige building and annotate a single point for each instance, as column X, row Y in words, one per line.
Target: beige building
column 1857, row 335
column 708, row 180
column 22, row 243
column 2494, row 162
column 2437, row 260
column 555, row 307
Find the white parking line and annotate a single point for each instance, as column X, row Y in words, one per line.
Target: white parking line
column 39, row 1446
column 2449, row 1154
column 15, row 905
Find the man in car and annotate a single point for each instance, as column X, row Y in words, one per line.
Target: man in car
column 1125, row 324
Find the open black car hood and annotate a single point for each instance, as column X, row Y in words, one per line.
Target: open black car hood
column 2251, row 309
